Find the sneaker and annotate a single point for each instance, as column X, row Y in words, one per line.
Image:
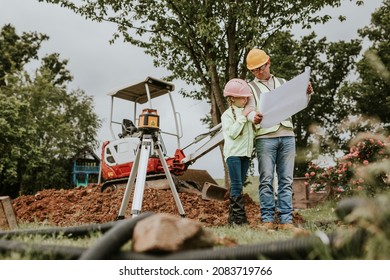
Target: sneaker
column 286, row 226
column 267, row 226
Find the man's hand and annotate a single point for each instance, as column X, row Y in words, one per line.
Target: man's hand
column 258, row 118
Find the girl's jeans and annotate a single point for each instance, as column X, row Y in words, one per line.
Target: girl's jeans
column 238, row 168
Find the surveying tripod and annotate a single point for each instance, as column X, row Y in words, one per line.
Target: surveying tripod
column 139, row 168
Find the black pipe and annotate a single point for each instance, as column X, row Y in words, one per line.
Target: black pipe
column 288, row 249
column 293, row 249
column 321, row 246
column 49, row 252
column 74, row 231
column 120, row 232
column 44, row 251
column 299, row 248
column 112, row 240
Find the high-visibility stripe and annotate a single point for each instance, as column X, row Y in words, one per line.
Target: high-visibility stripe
column 258, row 88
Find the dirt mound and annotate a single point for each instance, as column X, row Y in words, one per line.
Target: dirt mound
column 91, row 206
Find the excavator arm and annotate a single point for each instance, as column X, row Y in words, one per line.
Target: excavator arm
column 215, row 136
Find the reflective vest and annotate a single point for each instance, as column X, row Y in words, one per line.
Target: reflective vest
column 258, row 88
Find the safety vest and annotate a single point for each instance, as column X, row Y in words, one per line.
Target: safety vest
column 257, row 89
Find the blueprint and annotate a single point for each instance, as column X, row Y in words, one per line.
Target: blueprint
column 284, row 101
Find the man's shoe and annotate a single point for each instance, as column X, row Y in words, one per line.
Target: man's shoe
column 286, row 226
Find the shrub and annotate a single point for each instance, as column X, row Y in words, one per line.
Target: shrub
column 365, row 168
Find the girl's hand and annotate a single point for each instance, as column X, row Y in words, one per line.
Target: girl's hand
column 246, row 111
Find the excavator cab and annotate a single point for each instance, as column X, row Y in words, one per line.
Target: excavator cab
column 143, row 93
column 119, row 153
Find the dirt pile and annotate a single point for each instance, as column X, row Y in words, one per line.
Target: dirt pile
column 91, row 206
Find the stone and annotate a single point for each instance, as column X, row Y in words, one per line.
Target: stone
column 168, row 233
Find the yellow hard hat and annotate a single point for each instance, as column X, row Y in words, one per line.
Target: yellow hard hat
column 256, row 58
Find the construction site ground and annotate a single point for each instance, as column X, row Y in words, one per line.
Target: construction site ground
column 88, row 205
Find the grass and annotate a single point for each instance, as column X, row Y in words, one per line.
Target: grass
column 320, row 218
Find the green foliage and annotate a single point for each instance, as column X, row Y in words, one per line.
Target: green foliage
column 371, row 90
column 43, row 124
column 369, row 220
column 330, row 63
column 366, row 168
column 13, row 114
column 205, row 43
column 16, row 51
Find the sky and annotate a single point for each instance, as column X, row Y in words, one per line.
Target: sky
column 98, row 67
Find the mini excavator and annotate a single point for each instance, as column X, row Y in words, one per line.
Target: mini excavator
column 120, row 156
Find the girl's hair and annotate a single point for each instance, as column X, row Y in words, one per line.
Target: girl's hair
column 229, row 99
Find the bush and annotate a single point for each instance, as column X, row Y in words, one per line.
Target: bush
column 366, row 168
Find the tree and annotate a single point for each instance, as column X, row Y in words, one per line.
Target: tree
column 330, row 63
column 43, row 124
column 16, row 51
column 204, row 43
column 12, row 117
column 371, row 90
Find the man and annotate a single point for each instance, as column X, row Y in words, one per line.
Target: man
column 275, row 147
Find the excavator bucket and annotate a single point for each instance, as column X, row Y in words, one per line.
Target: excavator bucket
column 195, row 181
column 202, row 181
column 213, row 192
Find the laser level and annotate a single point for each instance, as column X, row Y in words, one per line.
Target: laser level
column 149, row 120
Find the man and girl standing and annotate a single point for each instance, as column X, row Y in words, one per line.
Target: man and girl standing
column 275, row 146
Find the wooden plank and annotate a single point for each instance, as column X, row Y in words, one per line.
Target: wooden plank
column 300, row 193
column 3, row 219
column 317, row 198
column 7, row 214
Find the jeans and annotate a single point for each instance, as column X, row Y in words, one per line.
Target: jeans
column 276, row 154
column 238, row 168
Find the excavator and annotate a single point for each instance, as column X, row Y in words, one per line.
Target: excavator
column 118, row 155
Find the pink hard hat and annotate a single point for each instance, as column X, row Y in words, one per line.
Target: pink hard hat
column 237, row 88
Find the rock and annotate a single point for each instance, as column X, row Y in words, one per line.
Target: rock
column 167, row 233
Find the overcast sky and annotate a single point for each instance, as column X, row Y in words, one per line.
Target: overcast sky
column 98, row 67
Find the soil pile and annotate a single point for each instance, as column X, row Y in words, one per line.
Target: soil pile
column 88, row 205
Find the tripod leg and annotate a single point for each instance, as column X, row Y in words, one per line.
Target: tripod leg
column 170, row 180
column 141, row 175
column 130, row 184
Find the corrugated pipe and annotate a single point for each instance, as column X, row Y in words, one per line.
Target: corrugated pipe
column 112, row 240
column 109, row 244
column 302, row 248
column 74, row 231
column 120, row 232
column 294, row 249
column 47, row 251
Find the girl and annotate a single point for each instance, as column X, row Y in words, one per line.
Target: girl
column 238, row 135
